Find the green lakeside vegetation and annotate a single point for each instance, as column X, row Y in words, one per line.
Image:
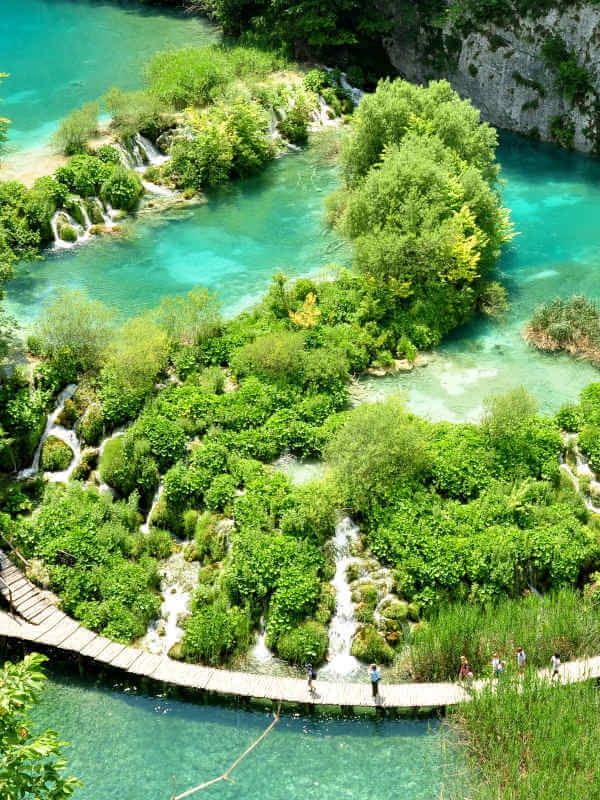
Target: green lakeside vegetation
column 31, row 763
column 527, row 740
column 571, row 325
column 466, row 518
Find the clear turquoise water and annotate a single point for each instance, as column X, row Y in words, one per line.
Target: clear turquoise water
column 62, row 53
column 555, row 201
column 233, row 243
column 127, row 746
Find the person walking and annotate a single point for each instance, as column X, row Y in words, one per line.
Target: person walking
column 497, row 666
column 555, row 660
column 464, row 670
column 310, row 676
column 521, row 659
column 374, row 676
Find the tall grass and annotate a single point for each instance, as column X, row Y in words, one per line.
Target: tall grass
column 562, row 622
column 537, row 741
column 572, row 325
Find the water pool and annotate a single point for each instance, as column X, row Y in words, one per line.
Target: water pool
column 127, row 746
column 554, row 197
column 62, row 53
column 233, row 243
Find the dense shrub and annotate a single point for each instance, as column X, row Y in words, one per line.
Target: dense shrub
column 368, row 645
column 75, row 131
column 122, row 188
column 214, row 633
column 305, row 644
column 56, row 455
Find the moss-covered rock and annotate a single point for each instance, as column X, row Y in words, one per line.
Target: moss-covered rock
column 94, row 212
column 91, row 426
column 305, row 643
column 68, row 416
column 56, row 455
column 73, row 206
column 397, row 609
column 369, row 646
column 67, row 233
column 364, row 612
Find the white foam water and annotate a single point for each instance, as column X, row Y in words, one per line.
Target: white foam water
column 52, row 429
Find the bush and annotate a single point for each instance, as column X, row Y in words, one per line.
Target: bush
column 275, row 356
column 75, row 131
column 159, row 544
column 91, row 426
column 317, row 79
column 122, row 188
column 214, row 633
column 368, row 645
column 220, row 492
column 295, row 125
column 305, row 644
column 56, row 455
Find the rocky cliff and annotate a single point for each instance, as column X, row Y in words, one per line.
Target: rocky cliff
column 540, row 77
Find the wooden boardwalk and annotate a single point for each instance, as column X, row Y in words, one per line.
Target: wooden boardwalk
column 39, row 622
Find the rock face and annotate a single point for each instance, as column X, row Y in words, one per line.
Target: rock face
column 502, row 69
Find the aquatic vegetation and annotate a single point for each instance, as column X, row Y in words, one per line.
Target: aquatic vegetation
column 572, row 325
column 531, row 740
column 56, row 455
column 75, row 130
column 305, row 644
column 565, row 621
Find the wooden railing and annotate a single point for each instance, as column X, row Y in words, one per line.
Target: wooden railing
column 14, row 549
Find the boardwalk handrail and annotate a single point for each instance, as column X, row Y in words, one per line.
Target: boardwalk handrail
column 21, row 558
column 10, row 594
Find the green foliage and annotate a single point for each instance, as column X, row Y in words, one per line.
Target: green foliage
column 368, row 645
column 31, row 764
column 214, row 633
column 135, row 112
column 294, row 127
column 571, row 80
column 378, row 449
column 189, row 319
column 76, row 130
column 305, row 644
column 110, row 586
column 56, row 455
column 127, row 464
column 122, row 188
column 561, row 622
column 317, row 79
column 572, row 325
column 91, row 426
column 220, row 493
column 531, row 739
column 73, row 325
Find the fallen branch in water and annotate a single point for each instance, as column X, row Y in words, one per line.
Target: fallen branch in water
column 225, row 775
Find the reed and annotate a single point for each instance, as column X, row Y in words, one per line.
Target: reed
column 528, row 741
column 572, row 325
column 562, row 622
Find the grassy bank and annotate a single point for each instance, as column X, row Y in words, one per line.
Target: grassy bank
column 571, row 326
column 563, row 622
column 538, row 741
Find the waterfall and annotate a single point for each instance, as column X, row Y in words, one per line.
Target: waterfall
column 260, row 652
column 153, row 155
column 355, row 94
column 343, row 625
column 124, row 155
column 59, row 244
column 583, row 469
column 51, row 429
column 145, row 527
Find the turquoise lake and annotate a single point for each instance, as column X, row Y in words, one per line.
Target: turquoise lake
column 127, row 746
column 62, row 53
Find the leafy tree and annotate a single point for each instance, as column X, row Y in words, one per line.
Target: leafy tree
column 378, row 449
column 71, row 322
column 31, row 764
column 189, row 319
column 75, row 131
column 3, row 121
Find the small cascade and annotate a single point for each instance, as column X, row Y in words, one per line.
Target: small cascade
column 321, row 116
column 154, row 188
column 151, row 153
column 145, row 527
column 54, row 430
column 107, row 212
column 178, row 578
column 260, row 652
column 343, row 625
column 355, row 94
column 582, row 470
column 60, row 244
column 126, row 157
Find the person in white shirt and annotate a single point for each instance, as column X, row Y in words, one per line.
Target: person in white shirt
column 497, row 666
column 521, row 659
column 555, row 666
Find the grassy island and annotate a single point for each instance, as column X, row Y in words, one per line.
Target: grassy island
column 571, row 326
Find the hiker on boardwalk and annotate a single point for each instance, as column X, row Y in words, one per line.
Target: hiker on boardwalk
column 497, row 666
column 374, row 676
column 521, row 659
column 464, row 670
column 310, row 676
column 555, row 665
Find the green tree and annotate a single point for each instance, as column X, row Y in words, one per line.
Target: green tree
column 75, row 131
column 71, row 322
column 31, row 764
column 189, row 319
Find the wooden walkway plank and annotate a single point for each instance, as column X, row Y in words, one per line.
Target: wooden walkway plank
column 78, row 640
column 96, row 646
column 145, row 665
column 108, row 655
column 126, row 658
column 59, row 633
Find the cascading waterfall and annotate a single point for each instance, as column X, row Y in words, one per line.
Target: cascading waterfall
column 52, row 429
column 342, row 628
column 582, row 469
column 260, row 652
column 145, row 527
